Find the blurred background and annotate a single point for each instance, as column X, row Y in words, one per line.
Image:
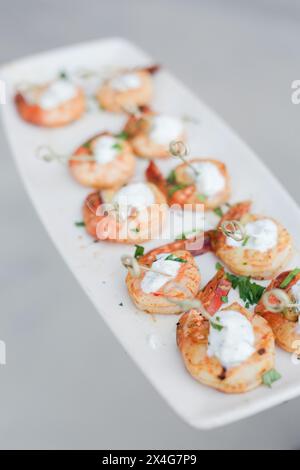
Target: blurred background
column 67, row 382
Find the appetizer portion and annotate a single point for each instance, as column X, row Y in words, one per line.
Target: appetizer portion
column 105, row 161
column 200, row 181
column 150, row 133
column 132, row 87
column 133, row 214
column 258, row 246
column 53, row 104
column 165, row 279
column 233, row 352
column 280, row 306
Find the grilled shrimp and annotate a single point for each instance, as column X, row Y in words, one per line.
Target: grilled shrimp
column 242, row 258
column 109, row 174
column 150, row 133
column 184, row 284
column 192, row 340
column 181, row 187
column 104, row 219
column 285, row 325
column 51, row 104
column 129, row 87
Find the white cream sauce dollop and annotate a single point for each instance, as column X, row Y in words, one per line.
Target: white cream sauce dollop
column 152, row 281
column 262, row 235
column 105, row 149
column 165, row 128
column 209, row 180
column 124, row 82
column 133, row 196
column 57, row 93
column 234, row 343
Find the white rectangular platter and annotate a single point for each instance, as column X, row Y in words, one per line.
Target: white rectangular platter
column 58, row 200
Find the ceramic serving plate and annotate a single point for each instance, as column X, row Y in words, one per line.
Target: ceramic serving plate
column 149, row 340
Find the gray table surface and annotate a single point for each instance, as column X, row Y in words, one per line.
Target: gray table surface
column 67, row 382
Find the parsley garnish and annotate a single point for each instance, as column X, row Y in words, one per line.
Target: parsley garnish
column 63, row 75
column 249, row 291
column 87, row 145
column 216, row 326
column 175, row 188
column 181, row 237
column 123, row 135
column 174, row 258
column 184, row 235
column 139, row 251
column 117, row 146
column 224, row 298
column 270, row 377
column 218, row 211
column 79, row 224
column 289, row 278
column 218, row 266
column 201, row 197
column 171, row 179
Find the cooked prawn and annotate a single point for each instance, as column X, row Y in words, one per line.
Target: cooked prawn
column 103, row 222
column 192, row 341
column 181, row 188
column 110, row 175
column 115, row 100
column 250, row 262
column 139, row 127
column 284, row 324
column 64, row 113
column 184, row 286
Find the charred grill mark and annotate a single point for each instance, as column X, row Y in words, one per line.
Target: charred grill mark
column 261, row 351
column 222, row 376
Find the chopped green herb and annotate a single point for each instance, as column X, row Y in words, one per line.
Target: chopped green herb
column 181, row 237
column 136, row 230
column 289, row 278
column 218, row 266
column 139, row 251
column 216, row 326
column 174, row 258
column 218, row 211
column 224, row 299
column 201, row 197
column 87, row 145
column 63, row 75
column 80, row 224
column 123, row 135
column 171, row 179
column 175, row 188
column 246, row 239
column 270, row 377
column 117, row 146
column 249, row 291
column 185, row 235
